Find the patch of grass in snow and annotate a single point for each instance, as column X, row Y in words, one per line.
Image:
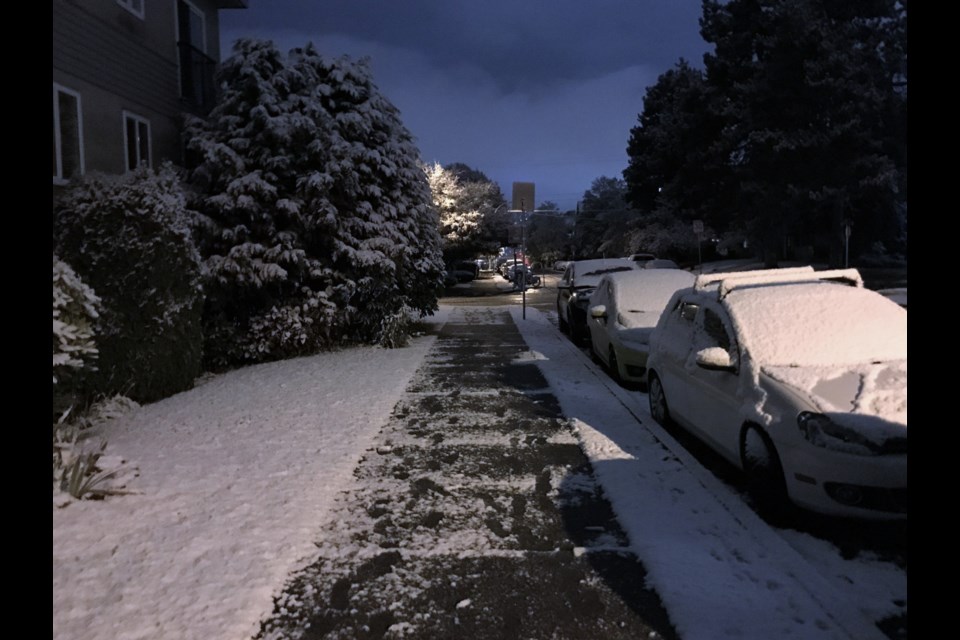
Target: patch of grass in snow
column 79, row 470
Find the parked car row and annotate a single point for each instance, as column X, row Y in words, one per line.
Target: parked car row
column 796, row 377
column 577, row 284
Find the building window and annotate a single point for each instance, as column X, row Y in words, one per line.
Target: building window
column 67, row 134
column 191, row 26
column 196, row 67
column 136, row 140
column 133, row 6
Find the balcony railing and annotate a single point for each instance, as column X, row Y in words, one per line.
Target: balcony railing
column 197, row 86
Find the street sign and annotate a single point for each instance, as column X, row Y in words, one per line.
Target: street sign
column 698, row 226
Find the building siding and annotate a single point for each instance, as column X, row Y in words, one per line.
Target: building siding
column 119, row 62
column 90, row 48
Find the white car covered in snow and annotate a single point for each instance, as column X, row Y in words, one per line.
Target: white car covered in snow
column 577, row 284
column 624, row 310
column 797, row 377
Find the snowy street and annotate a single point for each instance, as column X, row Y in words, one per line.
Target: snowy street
column 489, row 481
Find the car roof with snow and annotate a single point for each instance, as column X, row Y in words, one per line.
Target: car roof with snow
column 799, row 317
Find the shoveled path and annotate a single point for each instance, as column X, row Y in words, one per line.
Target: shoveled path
column 476, row 515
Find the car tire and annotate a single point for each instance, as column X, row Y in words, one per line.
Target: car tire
column 763, row 471
column 658, row 400
column 614, row 366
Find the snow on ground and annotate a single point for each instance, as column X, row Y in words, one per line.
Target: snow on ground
column 237, row 476
column 720, row 570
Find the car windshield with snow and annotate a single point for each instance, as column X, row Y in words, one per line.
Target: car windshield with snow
column 799, row 378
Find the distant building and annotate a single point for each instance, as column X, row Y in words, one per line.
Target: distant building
column 124, row 72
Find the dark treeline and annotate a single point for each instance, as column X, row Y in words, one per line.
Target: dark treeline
column 793, row 132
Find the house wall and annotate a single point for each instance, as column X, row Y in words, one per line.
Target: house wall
column 119, row 62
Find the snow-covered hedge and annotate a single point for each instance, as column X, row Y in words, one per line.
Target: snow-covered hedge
column 129, row 238
column 76, row 309
column 318, row 218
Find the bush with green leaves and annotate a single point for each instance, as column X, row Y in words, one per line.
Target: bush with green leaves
column 130, row 239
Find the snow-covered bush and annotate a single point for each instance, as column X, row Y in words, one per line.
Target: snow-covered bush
column 75, row 310
column 319, row 221
column 129, row 238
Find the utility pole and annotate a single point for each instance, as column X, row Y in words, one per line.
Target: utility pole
column 523, row 247
column 523, row 191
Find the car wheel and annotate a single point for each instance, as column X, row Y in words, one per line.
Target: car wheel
column 658, row 400
column 614, row 366
column 763, row 470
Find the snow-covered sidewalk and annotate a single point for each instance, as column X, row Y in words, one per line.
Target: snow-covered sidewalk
column 719, row 569
column 235, row 478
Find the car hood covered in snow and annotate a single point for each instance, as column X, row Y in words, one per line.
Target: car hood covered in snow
column 870, row 398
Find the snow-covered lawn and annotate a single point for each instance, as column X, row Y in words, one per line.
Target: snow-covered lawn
column 235, row 477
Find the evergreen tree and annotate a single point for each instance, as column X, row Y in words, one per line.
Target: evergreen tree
column 813, row 116
column 319, row 227
column 677, row 171
column 796, row 128
column 548, row 233
column 603, row 220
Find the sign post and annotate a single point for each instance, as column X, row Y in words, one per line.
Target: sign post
column 698, row 229
column 846, row 245
column 523, row 194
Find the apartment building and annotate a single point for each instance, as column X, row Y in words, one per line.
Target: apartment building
column 124, row 72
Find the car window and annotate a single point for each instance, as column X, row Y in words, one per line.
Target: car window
column 676, row 331
column 714, row 328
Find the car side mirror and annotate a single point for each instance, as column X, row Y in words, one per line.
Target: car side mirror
column 598, row 311
column 715, row 359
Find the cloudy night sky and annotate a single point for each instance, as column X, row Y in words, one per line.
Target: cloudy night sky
column 524, row 91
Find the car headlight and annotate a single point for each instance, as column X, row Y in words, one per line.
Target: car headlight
column 581, row 298
column 819, row 430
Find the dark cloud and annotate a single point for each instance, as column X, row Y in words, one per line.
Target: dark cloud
column 523, row 91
